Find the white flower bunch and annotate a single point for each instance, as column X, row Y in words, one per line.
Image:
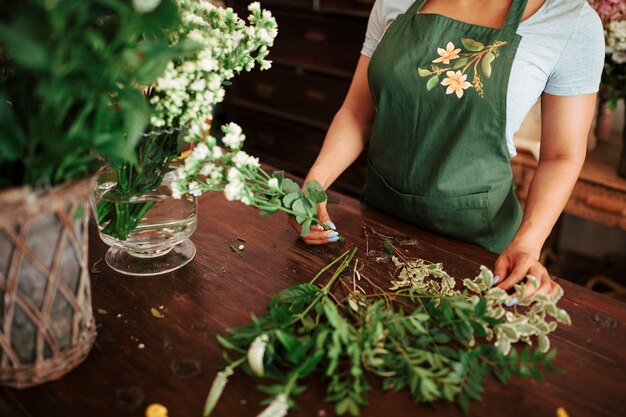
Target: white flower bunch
column 212, row 168
column 188, row 89
column 615, row 35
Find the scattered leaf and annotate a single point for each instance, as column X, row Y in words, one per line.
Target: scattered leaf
column 156, row 313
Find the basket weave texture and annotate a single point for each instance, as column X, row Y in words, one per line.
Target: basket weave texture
column 47, row 326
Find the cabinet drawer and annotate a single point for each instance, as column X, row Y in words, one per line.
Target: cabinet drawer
column 356, row 7
column 301, row 97
column 328, row 44
column 291, row 146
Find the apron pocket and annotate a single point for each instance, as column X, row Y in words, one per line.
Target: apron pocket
column 464, row 217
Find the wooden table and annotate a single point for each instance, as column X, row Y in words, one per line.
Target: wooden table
column 219, row 289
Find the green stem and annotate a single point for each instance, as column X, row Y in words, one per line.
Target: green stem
column 324, row 291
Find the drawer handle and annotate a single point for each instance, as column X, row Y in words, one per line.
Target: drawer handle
column 601, row 203
column 264, row 90
column 316, row 95
column 314, row 36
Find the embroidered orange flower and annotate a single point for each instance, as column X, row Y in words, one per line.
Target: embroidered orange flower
column 448, row 54
column 456, row 83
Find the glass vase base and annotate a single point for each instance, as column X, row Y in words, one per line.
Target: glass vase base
column 123, row 262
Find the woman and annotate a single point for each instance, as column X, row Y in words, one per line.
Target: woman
column 442, row 85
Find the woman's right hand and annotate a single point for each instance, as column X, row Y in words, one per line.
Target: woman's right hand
column 317, row 235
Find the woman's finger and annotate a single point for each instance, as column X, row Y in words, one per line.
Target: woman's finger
column 501, row 269
column 543, row 281
column 519, row 271
column 315, row 237
column 554, row 289
column 322, row 214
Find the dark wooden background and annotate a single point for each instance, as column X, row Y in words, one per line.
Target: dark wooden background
column 220, row 289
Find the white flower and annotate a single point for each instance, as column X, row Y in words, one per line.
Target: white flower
column 277, row 408
column 178, row 189
column 256, row 352
column 217, row 388
column 208, row 169
column 272, row 183
column 198, row 85
column 242, row 159
column 217, row 152
column 233, row 137
column 234, row 190
column 200, row 151
column 194, row 189
column 234, row 175
column 146, row 6
column 619, row 57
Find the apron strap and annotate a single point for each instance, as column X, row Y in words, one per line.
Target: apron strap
column 514, row 17
column 415, row 7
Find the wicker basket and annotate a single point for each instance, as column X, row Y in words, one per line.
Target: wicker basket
column 46, row 320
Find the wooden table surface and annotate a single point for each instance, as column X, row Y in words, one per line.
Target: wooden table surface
column 219, row 289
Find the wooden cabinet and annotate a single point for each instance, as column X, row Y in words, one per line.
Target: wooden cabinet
column 286, row 111
column 599, row 194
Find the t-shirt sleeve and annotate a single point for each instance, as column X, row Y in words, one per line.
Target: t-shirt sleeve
column 375, row 29
column 579, row 68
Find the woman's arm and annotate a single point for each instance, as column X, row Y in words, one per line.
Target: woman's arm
column 565, row 125
column 344, row 142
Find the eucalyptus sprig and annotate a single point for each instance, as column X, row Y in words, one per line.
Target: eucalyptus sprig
column 422, row 335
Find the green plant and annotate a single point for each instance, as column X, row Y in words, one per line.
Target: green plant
column 421, row 335
column 68, row 88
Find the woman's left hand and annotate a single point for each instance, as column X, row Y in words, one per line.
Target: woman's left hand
column 512, row 267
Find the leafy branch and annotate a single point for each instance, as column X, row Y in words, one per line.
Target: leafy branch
column 421, row 335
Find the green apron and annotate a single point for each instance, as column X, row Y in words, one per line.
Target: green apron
column 438, row 156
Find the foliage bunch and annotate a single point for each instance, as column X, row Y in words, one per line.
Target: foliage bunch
column 422, row 336
column 67, row 71
column 210, row 167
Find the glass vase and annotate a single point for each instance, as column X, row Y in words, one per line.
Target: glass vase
column 148, row 234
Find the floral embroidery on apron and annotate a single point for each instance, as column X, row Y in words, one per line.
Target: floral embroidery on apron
column 478, row 59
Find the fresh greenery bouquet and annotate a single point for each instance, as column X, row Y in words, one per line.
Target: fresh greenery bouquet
column 421, row 334
column 219, row 45
column 613, row 15
column 210, row 167
column 67, row 75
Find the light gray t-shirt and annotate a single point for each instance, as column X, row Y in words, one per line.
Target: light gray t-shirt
column 561, row 53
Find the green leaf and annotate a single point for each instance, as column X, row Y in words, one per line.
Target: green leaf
column 481, row 307
column 289, row 199
column 472, row 45
column 432, row 83
column 485, row 63
column 460, row 63
column 315, row 192
column 298, row 208
column 289, row 341
column 228, row 344
column 25, row 48
column 387, row 246
column 156, row 313
column 306, row 228
column 423, row 73
column 280, row 176
column 102, row 311
column 289, row 186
